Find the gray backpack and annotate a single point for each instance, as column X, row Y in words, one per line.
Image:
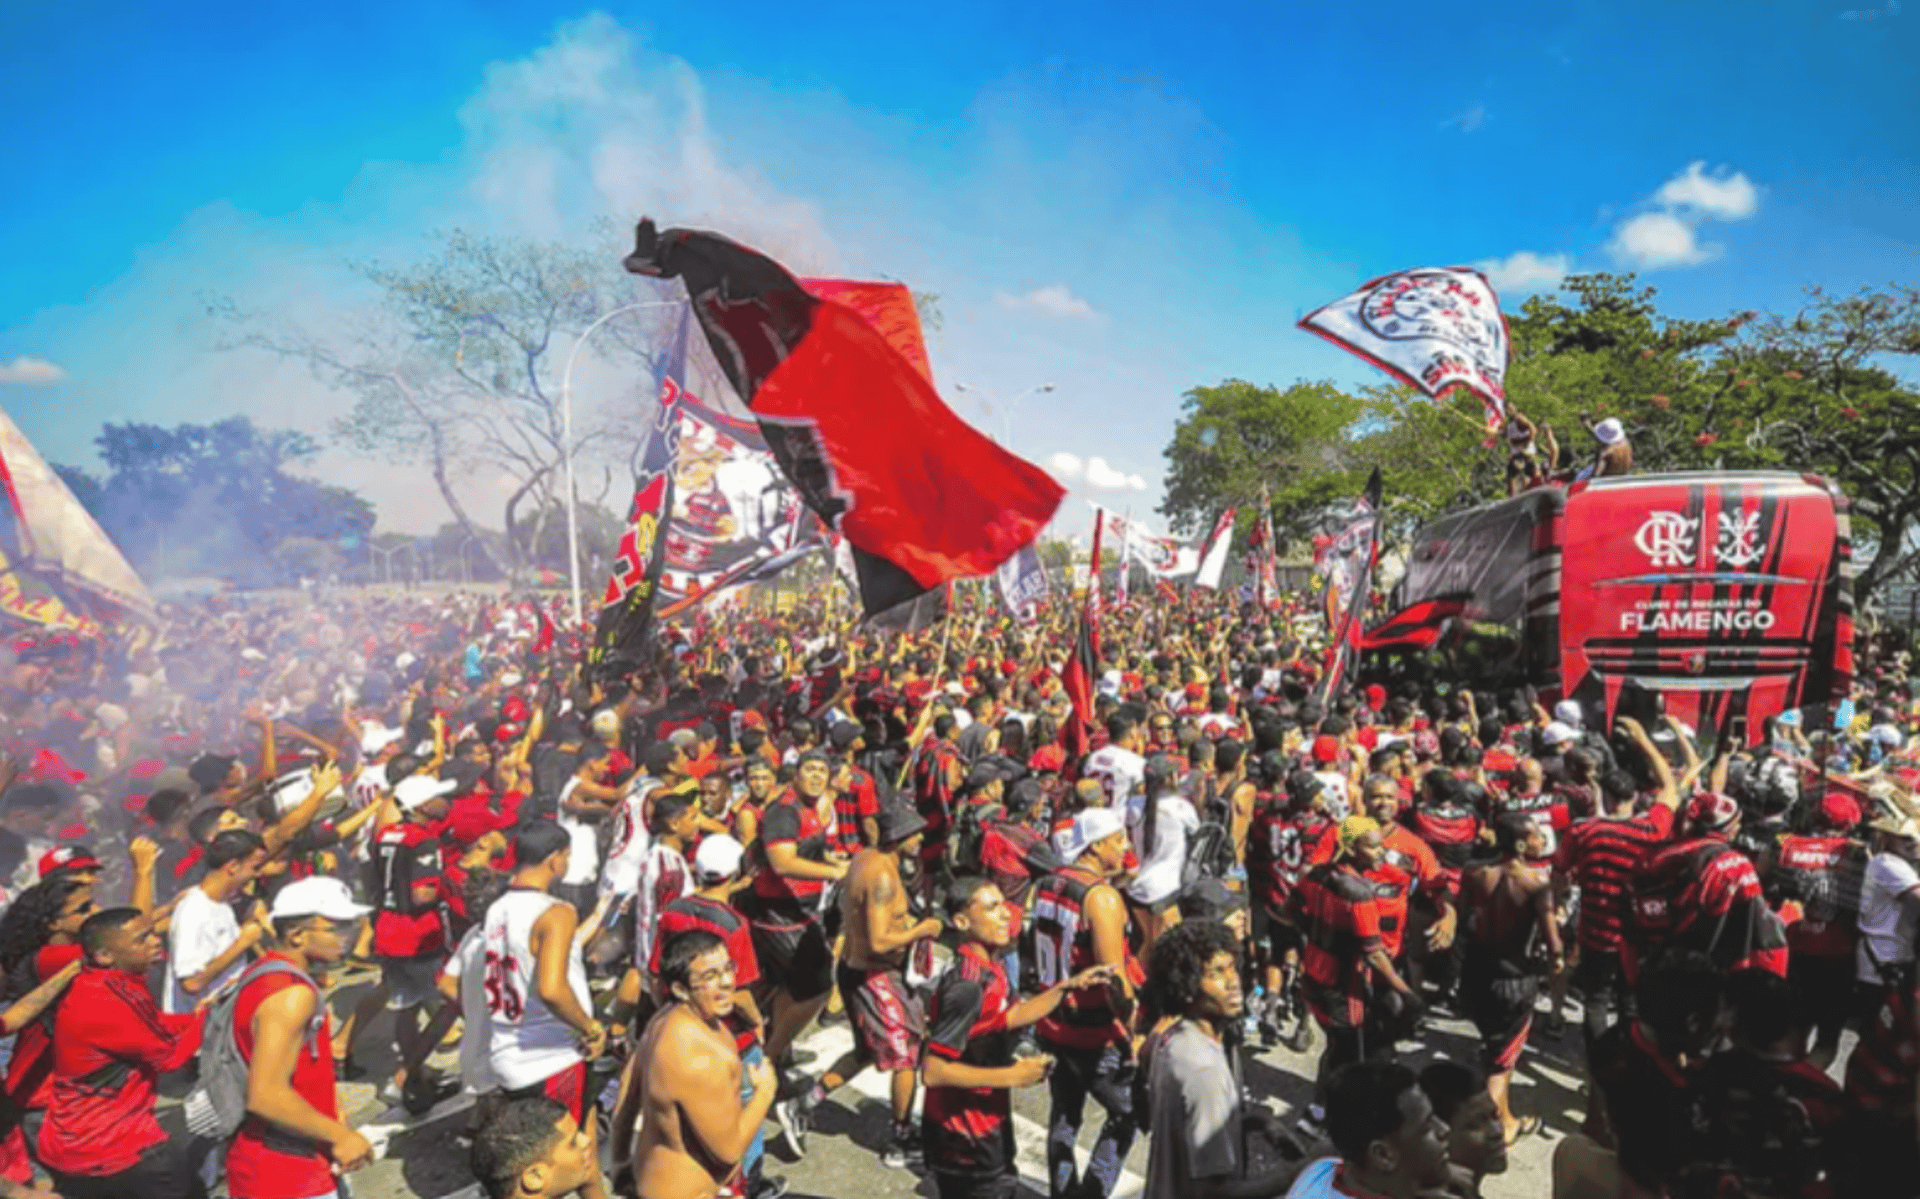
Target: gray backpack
column 217, row 1105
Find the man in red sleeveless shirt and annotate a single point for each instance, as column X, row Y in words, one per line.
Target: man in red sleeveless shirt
column 293, row 1140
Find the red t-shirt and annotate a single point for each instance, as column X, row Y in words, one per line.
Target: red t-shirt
column 265, row 1161
column 109, row 1027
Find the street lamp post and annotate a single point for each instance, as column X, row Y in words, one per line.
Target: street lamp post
column 1005, row 407
column 566, row 435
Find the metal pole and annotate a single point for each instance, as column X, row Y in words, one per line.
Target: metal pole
column 566, row 435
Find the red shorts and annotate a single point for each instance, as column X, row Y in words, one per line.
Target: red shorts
column 567, row 1088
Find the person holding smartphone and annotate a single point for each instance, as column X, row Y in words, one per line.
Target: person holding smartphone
column 968, row 1064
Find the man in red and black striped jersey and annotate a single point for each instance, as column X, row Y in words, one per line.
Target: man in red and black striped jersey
column 796, row 862
column 1284, row 828
column 970, row 1072
column 856, row 797
column 1337, row 910
column 1601, row 856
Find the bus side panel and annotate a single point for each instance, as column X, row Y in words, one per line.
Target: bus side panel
column 1719, row 594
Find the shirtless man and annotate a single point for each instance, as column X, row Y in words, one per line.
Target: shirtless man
column 1507, row 905
column 694, row 1133
column 888, row 1021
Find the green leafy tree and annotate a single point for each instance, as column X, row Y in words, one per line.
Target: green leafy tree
column 1233, row 439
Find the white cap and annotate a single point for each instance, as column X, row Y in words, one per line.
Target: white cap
column 375, row 737
column 1558, row 733
column 605, row 721
column 404, row 660
column 1088, row 829
column 510, row 678
column 417, row 789
column 318, row 896
column 718, row 857
column 1567, row 711
column 1610, row 431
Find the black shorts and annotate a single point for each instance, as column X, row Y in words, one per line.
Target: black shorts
column 796, row 958
column 976, row 1186
column 1279, row 937
column 1500, row 1004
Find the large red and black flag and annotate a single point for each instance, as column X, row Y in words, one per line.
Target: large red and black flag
column 621, row 635
column 920, row 496
column 1362, row 535
column 1418, row 626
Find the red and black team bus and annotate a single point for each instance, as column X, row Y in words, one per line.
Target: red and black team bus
column 1722, row 598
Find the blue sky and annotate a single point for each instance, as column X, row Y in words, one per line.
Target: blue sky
column 1122, row 200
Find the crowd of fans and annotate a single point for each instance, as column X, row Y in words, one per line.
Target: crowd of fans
column 230, row 844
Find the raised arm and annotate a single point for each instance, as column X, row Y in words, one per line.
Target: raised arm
column 1669, row 794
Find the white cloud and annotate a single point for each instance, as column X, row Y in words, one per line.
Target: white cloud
column 1100, row 474
column 1094, row 472
column 1669, row 234
column 1468, row 119
column 1654, row 240
column 1526, row 271
column 1067, row 466
column 1728, row 198
column 31, row 370
column 1053, row 300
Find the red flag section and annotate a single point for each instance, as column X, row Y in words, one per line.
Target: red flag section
column 1417, row 626
column 855, row 424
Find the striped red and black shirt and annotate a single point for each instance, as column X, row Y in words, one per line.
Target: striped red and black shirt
column 1602, row 855
column 1338, row 912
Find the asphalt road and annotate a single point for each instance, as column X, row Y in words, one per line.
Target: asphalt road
column 425, row 1158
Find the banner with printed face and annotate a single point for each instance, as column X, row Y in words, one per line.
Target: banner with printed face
column 735, row 516
column 1434, row 328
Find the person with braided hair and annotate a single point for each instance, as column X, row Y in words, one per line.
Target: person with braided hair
column 39, row 944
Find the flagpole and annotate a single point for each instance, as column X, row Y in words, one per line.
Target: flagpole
column 566, row 445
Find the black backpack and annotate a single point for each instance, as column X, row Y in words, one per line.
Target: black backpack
column 1209, row 854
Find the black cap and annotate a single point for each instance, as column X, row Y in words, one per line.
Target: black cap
column 899, row 821
column 1210, row 899
column 843, row 734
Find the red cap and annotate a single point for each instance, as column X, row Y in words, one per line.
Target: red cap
column 1326, row 748
column 1711, row 810
column 67, row 857
column 1839, row 810
column 1369, row 737
column 1376, row 696
column 751, row 719
column 1047, row 758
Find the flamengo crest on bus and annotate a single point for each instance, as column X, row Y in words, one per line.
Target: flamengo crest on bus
column 1670, row 540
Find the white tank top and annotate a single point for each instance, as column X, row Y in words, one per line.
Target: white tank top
column 528, row 1043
